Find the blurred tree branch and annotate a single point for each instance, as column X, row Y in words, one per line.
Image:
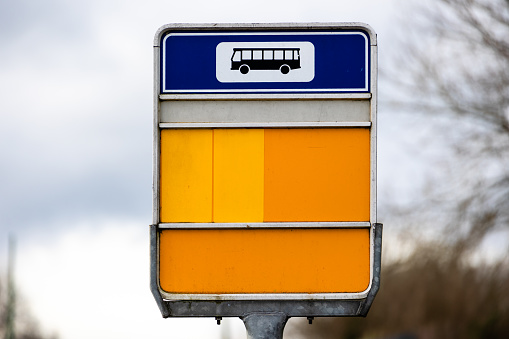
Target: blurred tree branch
column 452, row 74
column 457, row 73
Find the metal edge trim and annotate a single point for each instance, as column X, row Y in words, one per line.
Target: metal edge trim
column 264, row 296
column 249, row 96
column 178, row 125
column 154, row 272
column 262, row 26
column 264, row 225
column 377, row 267
column 374, row 133
column 155, row 140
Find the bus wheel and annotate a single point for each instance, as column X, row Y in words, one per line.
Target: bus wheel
column 285, row 69
column 244, row 69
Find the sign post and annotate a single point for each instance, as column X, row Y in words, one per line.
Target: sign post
column 265, row 172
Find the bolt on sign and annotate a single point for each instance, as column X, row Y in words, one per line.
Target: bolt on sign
column 265, row 170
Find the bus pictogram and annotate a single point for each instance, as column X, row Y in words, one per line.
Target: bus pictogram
column 282, row 59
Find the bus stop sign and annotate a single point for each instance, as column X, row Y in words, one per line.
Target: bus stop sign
column 265, row 170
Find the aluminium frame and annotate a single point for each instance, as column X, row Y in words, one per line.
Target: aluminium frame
column 289, row 305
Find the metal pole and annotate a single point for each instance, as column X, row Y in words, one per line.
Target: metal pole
column 265, row 325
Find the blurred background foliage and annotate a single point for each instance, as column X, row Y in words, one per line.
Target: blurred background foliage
column 430, row 294
column 16, row 320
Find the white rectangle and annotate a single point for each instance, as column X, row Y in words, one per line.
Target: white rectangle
column 265, row 61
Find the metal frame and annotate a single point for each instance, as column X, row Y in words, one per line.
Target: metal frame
column 232, row 225
column 279, row 96
column 263, row 124
column 291, row 305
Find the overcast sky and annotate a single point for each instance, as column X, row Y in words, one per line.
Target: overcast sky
column 76, row 150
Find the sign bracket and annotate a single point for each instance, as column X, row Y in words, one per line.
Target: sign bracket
column 265, row 325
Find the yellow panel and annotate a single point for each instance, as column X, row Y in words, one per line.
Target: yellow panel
column 186, row 176
column 264, row 261
column 317, row 175
column 238, row 175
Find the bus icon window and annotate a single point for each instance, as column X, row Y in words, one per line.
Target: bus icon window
column 282, row 59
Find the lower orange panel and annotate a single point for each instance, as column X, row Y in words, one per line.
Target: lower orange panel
column 264, row 261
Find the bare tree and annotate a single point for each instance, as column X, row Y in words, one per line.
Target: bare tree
column 457, row 72
column 454, row 73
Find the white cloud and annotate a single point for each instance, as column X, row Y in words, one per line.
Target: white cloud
column 92, row 281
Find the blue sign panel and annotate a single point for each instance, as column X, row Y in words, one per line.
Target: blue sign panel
column 265, row 62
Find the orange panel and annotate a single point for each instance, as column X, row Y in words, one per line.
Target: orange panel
column 317, row 175
column 264, row 261
column 238, row 175
column 186, row 176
